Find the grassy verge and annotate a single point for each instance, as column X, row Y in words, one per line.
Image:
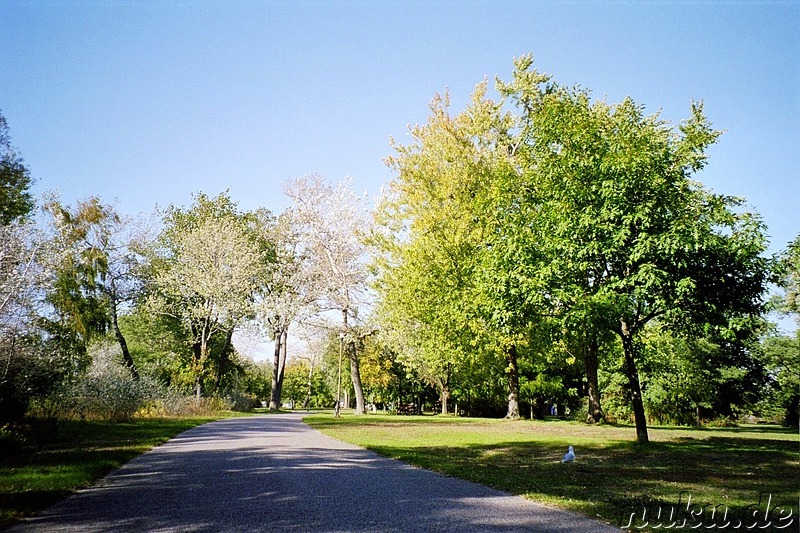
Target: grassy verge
column 612, row 477
column 70, row 454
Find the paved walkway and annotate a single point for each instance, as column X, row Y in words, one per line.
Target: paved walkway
column 274, row 473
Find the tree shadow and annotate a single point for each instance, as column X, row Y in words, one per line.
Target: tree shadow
column 235, row 476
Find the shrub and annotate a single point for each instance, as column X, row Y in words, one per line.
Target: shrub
column 106, row 391
column 241, row 401
column 721, row 422
column 12, row 440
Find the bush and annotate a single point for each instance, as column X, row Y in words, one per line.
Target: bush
column 721, row 422
column 29, row 374
column 111, row 397
column 12, row 440
column 107, row 391
column 242, row 402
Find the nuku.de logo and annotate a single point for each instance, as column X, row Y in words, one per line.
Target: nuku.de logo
column 758, row 516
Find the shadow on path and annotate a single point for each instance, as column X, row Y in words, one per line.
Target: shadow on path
column 274, row 473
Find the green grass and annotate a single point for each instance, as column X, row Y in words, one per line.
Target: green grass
column 70, row 454
column 612, row 475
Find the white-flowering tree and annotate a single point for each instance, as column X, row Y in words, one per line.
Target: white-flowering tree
column 207, row 265
column 288, row 294
column 19, row 281
column 23, row 369
column 332, row 222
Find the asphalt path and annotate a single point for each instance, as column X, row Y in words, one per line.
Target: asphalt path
column 275, row 473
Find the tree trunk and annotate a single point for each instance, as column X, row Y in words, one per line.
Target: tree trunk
column 278, row 361
column 513, row 383
column 595, row 414
column 632, row 373
column 309, row 385
column 355, row 373
column 445, row 397
column 282, row 371
column 224, row 357
column 126, row 354
column 197, row 369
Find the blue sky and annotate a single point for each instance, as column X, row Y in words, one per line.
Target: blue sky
column 148, row 102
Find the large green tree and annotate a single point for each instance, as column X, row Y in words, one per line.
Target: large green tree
column 782, row 351
column 568, row 211
column 448, row 289
column 627, row 233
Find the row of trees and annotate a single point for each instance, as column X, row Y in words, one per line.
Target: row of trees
column 171, row 293
column 550, row 226
column 531, row 251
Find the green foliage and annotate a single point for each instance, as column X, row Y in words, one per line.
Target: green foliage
column 781, row 354
column 204, row 270
column 788, row 270
column 159, row 347
column 16, row 201
column 550, row 211
column 257, row 379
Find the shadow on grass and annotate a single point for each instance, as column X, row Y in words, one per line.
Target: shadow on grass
column 608, row 479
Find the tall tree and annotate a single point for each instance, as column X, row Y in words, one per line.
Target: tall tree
column 789, row 272
column 333, row 223
column 782, row 352
column 78, row 263
column 206, row 266
column 97, row 270
column 24, row 369
column 287, row 294
column 448, row 273
column 618, row 208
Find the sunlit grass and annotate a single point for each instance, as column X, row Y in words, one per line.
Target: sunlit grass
column 612, row 474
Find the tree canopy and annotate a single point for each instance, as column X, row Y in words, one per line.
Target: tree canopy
column 16, row 201
column 565, row 206
column 540, row 250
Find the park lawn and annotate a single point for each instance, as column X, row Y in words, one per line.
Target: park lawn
column 72, row 454
column 612, row 476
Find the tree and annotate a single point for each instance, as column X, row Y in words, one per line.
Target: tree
column 286, row 295
column 789, row 272
column 446, row 279
column 332, row 225
column 77, row 263
column 617, row 208
column 97, row 270
column 26, row 369
column 782, row 352
column 16, row 201
column 206, row 266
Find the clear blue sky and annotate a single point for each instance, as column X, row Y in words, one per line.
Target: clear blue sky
column 148, row 102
